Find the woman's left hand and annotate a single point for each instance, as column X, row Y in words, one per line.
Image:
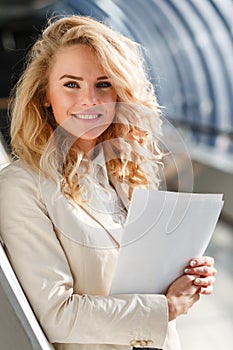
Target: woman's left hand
column 203, row 268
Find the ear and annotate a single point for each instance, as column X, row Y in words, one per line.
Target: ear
column 47, row 99
column 47, row 104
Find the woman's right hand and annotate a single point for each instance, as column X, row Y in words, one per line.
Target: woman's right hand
column 181, row 296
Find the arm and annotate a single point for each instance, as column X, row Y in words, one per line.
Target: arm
column 43, row 271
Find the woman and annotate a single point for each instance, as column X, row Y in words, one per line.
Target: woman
column 82, row 146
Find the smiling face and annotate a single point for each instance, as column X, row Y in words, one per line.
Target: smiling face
column 81, row 95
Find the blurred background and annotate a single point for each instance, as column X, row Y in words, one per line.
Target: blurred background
column 188, row 48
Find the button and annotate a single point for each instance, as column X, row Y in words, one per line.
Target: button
column 134, row 343
column 149, row 343
column 141, row 343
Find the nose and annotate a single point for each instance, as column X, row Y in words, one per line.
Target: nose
column 89, row 97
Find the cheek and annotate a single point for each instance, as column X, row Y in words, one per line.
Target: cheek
column 110, row 111
column 60, row 105
column 114, row 97
column 110, row 96
column 58, row 112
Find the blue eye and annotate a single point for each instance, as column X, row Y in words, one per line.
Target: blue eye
column 103, row 84
column 71, row 85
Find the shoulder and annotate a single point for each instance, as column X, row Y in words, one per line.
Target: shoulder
column 17, row 178
column 20, row 192
column 17, row 171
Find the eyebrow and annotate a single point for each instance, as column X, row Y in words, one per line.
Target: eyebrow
column 79, row 78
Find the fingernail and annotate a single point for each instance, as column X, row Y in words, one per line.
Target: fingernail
column 197, row 280
column 193, row 263
column 187, row 270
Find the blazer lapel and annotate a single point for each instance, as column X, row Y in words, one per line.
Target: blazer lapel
column 79, row 223
column 113, row 229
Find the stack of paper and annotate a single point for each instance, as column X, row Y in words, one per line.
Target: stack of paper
column 164, row 230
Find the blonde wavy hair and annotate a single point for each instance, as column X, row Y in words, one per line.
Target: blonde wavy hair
column 132, row 153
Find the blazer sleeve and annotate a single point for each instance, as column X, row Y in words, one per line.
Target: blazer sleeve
column 43, row 271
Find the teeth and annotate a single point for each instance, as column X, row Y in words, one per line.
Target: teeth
column 87, row 116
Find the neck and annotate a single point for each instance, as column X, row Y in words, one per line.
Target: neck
column 87, row 146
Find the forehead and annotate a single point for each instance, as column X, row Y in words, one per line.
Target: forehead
column 77, row 58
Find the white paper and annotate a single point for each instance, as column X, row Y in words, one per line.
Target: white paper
column 164, row 230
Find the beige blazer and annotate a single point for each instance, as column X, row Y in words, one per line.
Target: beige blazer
column 64, row 256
